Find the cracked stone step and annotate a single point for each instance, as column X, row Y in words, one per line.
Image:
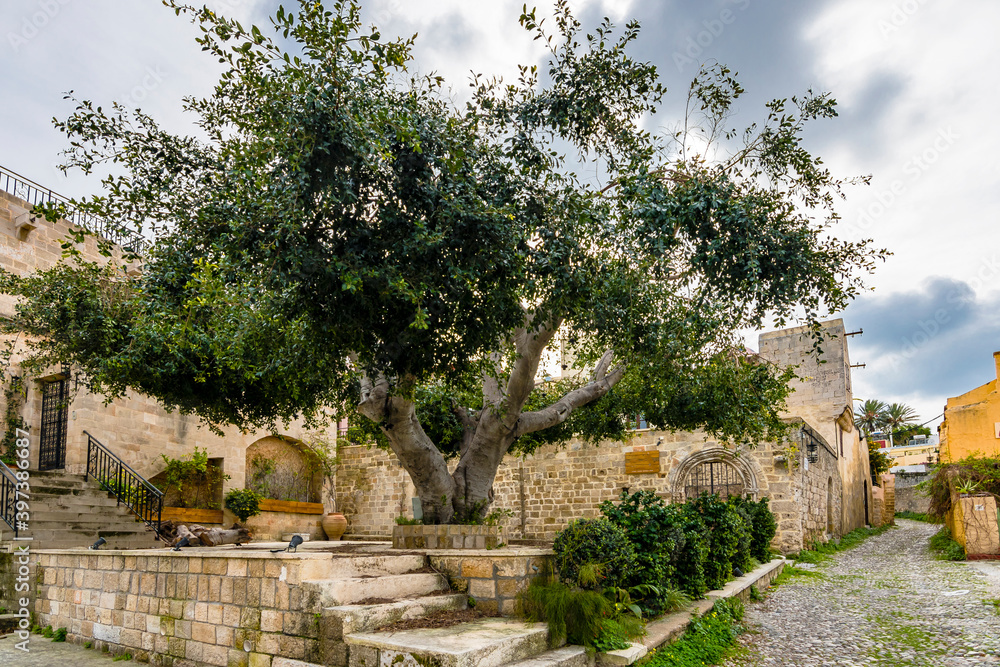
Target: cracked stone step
column 339, row 592
column 354, row 567
column 491, row 642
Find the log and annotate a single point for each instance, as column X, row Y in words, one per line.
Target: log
column 201, row 536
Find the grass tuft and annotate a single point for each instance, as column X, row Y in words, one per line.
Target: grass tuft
column 944, row 547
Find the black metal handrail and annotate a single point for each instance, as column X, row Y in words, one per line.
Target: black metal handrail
column 129, row 487
column 35, row 194
column 8, row 497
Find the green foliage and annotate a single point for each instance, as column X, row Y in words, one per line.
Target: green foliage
column 946, row 548
column 979, row 470
column 192, row 481
column 406, row 521
column 47, row 631
column 121, row 657
column 88, row 644
column 790, row 571
column 879, row 461
column 915, row 516
column 583, row 617
column 707, row 640
column 594, row 541
column 692, row 547
column 244, row 503
column 334, row 216
column 59, row 635
column 763, row 526
column 14, row 395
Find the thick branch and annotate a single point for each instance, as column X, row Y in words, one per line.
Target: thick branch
column 374, row 395
column 492, row 392
column 530, row 341
column 560, row 411
column 469, row 421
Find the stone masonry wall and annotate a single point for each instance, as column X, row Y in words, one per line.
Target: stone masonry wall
column 910, row 498
column 553, row 486
column 237, row 611
column 136, row 428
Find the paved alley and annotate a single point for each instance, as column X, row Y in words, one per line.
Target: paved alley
column 887, row 602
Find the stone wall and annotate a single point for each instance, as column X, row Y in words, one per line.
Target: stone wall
column 493, row 579
column 554, row 485
column 236, row 611
column 136, row 428
column 910, row 498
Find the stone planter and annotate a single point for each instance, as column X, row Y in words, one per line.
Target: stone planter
column 448, row 537
column 334, row 525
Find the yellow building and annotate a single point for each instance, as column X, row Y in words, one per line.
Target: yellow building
column 972, row 422
column 919, row 451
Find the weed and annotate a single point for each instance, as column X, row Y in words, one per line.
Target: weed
column 945, row 547
column 59, row 635
column 791, row 571
column 121, row 657
column 755, row 595
column 407, row 521
column 917, row 516
column 708, row 639
column 47, row 631
column 995, row 603
column 88, row 644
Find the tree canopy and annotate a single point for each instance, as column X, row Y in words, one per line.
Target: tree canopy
column 338, row 235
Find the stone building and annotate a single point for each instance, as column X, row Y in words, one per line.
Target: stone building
column 62, row 417
column 818, row 482
column 972, row 421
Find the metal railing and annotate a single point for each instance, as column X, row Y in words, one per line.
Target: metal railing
column 129, row 487
column 35, row 194
column 8, row 497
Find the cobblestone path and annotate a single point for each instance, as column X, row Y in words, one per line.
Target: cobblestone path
column 887, row 602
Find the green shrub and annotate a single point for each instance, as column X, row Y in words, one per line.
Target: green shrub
column 594, row 541
column 192, row 481
column 244, row 503
column 763, row 526
column 724, row 525
column 59, row 635
column 578, row 616
column 742, row 559
column 47, row 631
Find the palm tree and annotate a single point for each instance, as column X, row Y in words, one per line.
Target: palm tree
column 898, row 415
column 870, row 416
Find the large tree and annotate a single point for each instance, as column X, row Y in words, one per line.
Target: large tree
column 337, row 235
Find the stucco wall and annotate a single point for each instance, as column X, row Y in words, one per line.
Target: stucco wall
column 970, row 421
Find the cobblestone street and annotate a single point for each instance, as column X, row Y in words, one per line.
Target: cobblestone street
column 887, row 602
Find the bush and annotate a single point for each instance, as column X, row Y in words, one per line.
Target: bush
column 707, row 640
column 244, row 503
column 598, row 542
column 59, row 635
column 193, row 481
column 579, row 616
column 724, row 526
column 763, row 526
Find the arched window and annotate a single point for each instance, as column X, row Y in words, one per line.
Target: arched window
column 719, row 477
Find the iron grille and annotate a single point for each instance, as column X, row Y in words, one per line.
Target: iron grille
column 714, row 477
column 55, row 413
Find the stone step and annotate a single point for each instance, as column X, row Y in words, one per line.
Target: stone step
column 337, row 622
column 70, row 516
column 362, row 566
column 69, row 502
column 339, row 592
column 491, row 642
column 61, row 483
column 67, row 539
column 567, row 656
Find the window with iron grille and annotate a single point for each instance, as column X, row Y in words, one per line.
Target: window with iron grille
column 55, row 413
column 714, row 477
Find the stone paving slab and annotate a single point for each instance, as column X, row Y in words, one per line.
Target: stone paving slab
column 885, row 603
column 43, row 652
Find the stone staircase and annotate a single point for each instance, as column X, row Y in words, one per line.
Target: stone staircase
column 360, row 594
column 67, row 511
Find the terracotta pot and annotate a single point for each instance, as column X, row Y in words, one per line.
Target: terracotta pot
column 334, row 525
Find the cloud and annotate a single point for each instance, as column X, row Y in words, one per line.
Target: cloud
column 927, row 343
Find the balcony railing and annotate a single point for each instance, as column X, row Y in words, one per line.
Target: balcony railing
column 35, row 194
column 131, row 489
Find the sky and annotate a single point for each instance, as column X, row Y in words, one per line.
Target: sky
column 916, row 82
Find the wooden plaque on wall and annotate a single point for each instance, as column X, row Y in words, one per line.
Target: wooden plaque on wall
column 639, row 463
